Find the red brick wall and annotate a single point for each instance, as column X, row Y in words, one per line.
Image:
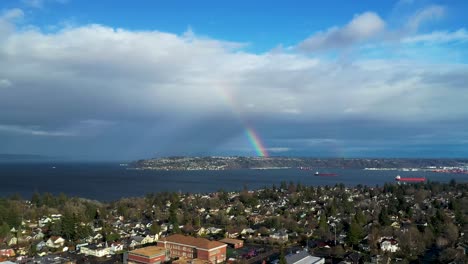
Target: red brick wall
column 217, row 254
column 141, row 259
column 178, row 251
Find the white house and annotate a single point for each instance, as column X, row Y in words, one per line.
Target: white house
column 44, row 221
column 55, row 242
column 389, row 246
column 116, row 247
column 97, row 250
column 282, row 236
column 147, row 239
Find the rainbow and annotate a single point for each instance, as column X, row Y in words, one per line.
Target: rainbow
column 252, row 135
column 255, row 141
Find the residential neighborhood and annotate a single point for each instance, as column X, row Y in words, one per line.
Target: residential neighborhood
column 290, row 223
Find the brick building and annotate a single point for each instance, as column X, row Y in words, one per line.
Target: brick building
column 148, row 255
column 191, row 247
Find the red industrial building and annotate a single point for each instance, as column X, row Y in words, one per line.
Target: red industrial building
column 148, row 255
column 194, row 248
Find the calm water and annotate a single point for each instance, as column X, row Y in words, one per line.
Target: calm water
column 111, row 181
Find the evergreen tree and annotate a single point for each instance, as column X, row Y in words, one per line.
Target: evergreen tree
column 155, row 228
column 384, row 220
column 4, row 230
column 354, row 233
column 282, row 258
column 68, row 225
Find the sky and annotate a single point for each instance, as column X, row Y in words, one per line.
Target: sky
column 125, row 80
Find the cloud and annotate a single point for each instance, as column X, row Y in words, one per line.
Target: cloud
column 97, row 72
column 80, row 128
column 33, row 131
column 361, row 28
column 178, row 93
column 4, row 83
column 438, row 37
column 278, row 149
column 12, row 14
column 429, row 13
column 41, row 3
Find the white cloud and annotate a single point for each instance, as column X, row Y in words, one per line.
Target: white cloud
column 12, row 14
column 361, row 28
column 278, row 149
column 33, row 131
column 4, row 83
column 438, row 37
column 424, row 15
column 81, row 128
column 41, row 3
column 94, row 72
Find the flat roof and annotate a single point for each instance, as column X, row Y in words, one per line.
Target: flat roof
column 151, row 251
column 231, row 241
column 184, row 260
column 197, row 242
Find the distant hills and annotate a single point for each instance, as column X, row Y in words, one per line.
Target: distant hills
column 225, row 163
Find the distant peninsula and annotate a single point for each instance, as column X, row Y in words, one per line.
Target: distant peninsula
column 238, row 162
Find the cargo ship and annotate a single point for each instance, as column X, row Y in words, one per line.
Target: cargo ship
column 410, row 179
column 325, row 174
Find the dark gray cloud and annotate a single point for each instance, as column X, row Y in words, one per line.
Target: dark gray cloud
column 94, row 91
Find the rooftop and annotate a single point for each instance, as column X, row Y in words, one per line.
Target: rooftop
column 151, row 251
column 231, row 241
column 302, row 257
column 192, row 241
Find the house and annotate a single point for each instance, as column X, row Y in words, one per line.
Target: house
column 135, row 241
column 38, row 236
column 395, row 224
column 148, row 255
column 247, row 231
column 303, row 257
column 234, row 243
column 55, row 242
column 232, row 232
column 40, row 245
column 353, row 257
column 389, row 245
column 44, row 221
column 7, row 253
column 280, row 236
column 213, row 230
column 98, row 237
column 191, row 247
column 116, row 247
column 97, row 250
column 147, row 239
column 201, row 231
column 12, row 241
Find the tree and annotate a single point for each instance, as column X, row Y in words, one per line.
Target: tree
column 83, row 232
column 4, row 230
column 282, row 258
column 323, row 227
column 112, row 237
column 354, row 233
column 68, row 225
column 36, row 199
column 155, row 228
column 384, row 220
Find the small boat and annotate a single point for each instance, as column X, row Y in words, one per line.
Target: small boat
column 325, row 174
column 410, row 179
